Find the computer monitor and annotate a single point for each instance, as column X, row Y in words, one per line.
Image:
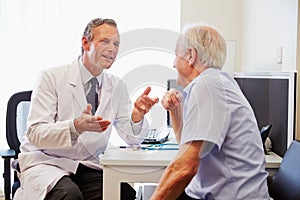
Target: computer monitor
column 272, row 98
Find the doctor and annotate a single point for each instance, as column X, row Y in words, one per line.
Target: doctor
column 59, row 158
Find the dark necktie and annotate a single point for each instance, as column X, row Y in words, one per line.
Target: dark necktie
column 92, row 96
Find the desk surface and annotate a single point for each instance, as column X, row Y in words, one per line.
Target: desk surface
column 129, row 157
column 273, row 160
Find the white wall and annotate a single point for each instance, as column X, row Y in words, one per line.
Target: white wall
column 254, row 29
column 269, row 26
column 226, row 16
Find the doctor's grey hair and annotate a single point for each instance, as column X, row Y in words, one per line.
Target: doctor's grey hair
column 95, row 23
column 207, row 41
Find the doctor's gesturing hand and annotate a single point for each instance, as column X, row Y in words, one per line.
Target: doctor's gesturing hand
column 88, row 122
column 142, row 105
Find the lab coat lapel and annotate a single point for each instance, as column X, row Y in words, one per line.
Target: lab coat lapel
column 106, row 95
column 79, row 97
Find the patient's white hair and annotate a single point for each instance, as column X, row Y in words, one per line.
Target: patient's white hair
column 207, row 41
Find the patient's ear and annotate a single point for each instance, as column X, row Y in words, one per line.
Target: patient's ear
column 192, row 56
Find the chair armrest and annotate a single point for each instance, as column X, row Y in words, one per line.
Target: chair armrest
column 7, row 153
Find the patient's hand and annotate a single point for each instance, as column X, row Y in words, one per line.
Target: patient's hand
column 172, row 99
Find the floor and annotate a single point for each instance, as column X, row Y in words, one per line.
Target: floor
column 1, row 194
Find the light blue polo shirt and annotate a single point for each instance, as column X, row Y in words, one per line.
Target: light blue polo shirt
column 216, row 111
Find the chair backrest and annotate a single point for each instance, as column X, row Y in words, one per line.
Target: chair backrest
column 286, row 182
column 16, row 118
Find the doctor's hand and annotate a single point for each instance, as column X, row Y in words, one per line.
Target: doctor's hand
column 172, row 99
column 142, row 105
column 87, row 122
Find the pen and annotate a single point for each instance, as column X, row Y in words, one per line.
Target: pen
column 160, row 148
column 134, row 147
column 124, row 147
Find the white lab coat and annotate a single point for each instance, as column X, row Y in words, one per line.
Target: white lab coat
column 58, row 98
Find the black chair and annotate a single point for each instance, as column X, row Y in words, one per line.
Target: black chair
column 16, row 119
column 285, row 183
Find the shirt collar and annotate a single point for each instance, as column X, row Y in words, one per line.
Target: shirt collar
column 188, row 88
column 86, row 76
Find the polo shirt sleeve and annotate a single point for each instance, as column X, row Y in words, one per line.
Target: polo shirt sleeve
column 205, row 113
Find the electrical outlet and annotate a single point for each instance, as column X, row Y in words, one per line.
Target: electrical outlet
column 279, row 55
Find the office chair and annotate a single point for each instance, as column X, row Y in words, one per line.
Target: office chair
column 16, row 119
column 264, row 133
column 286, row 182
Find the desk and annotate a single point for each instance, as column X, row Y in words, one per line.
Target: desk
column 272, row 164
column 273, row 161
column 126, row 165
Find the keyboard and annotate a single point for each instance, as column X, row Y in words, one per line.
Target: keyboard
column 156, row 137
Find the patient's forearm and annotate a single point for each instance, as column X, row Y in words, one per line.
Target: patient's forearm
column 176, row 119
column 179, row 173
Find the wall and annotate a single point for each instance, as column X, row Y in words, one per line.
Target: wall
column 259, row 29
column 226, row 16
column 269, row 26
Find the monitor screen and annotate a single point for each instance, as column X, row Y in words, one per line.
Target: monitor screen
column 272, row 100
